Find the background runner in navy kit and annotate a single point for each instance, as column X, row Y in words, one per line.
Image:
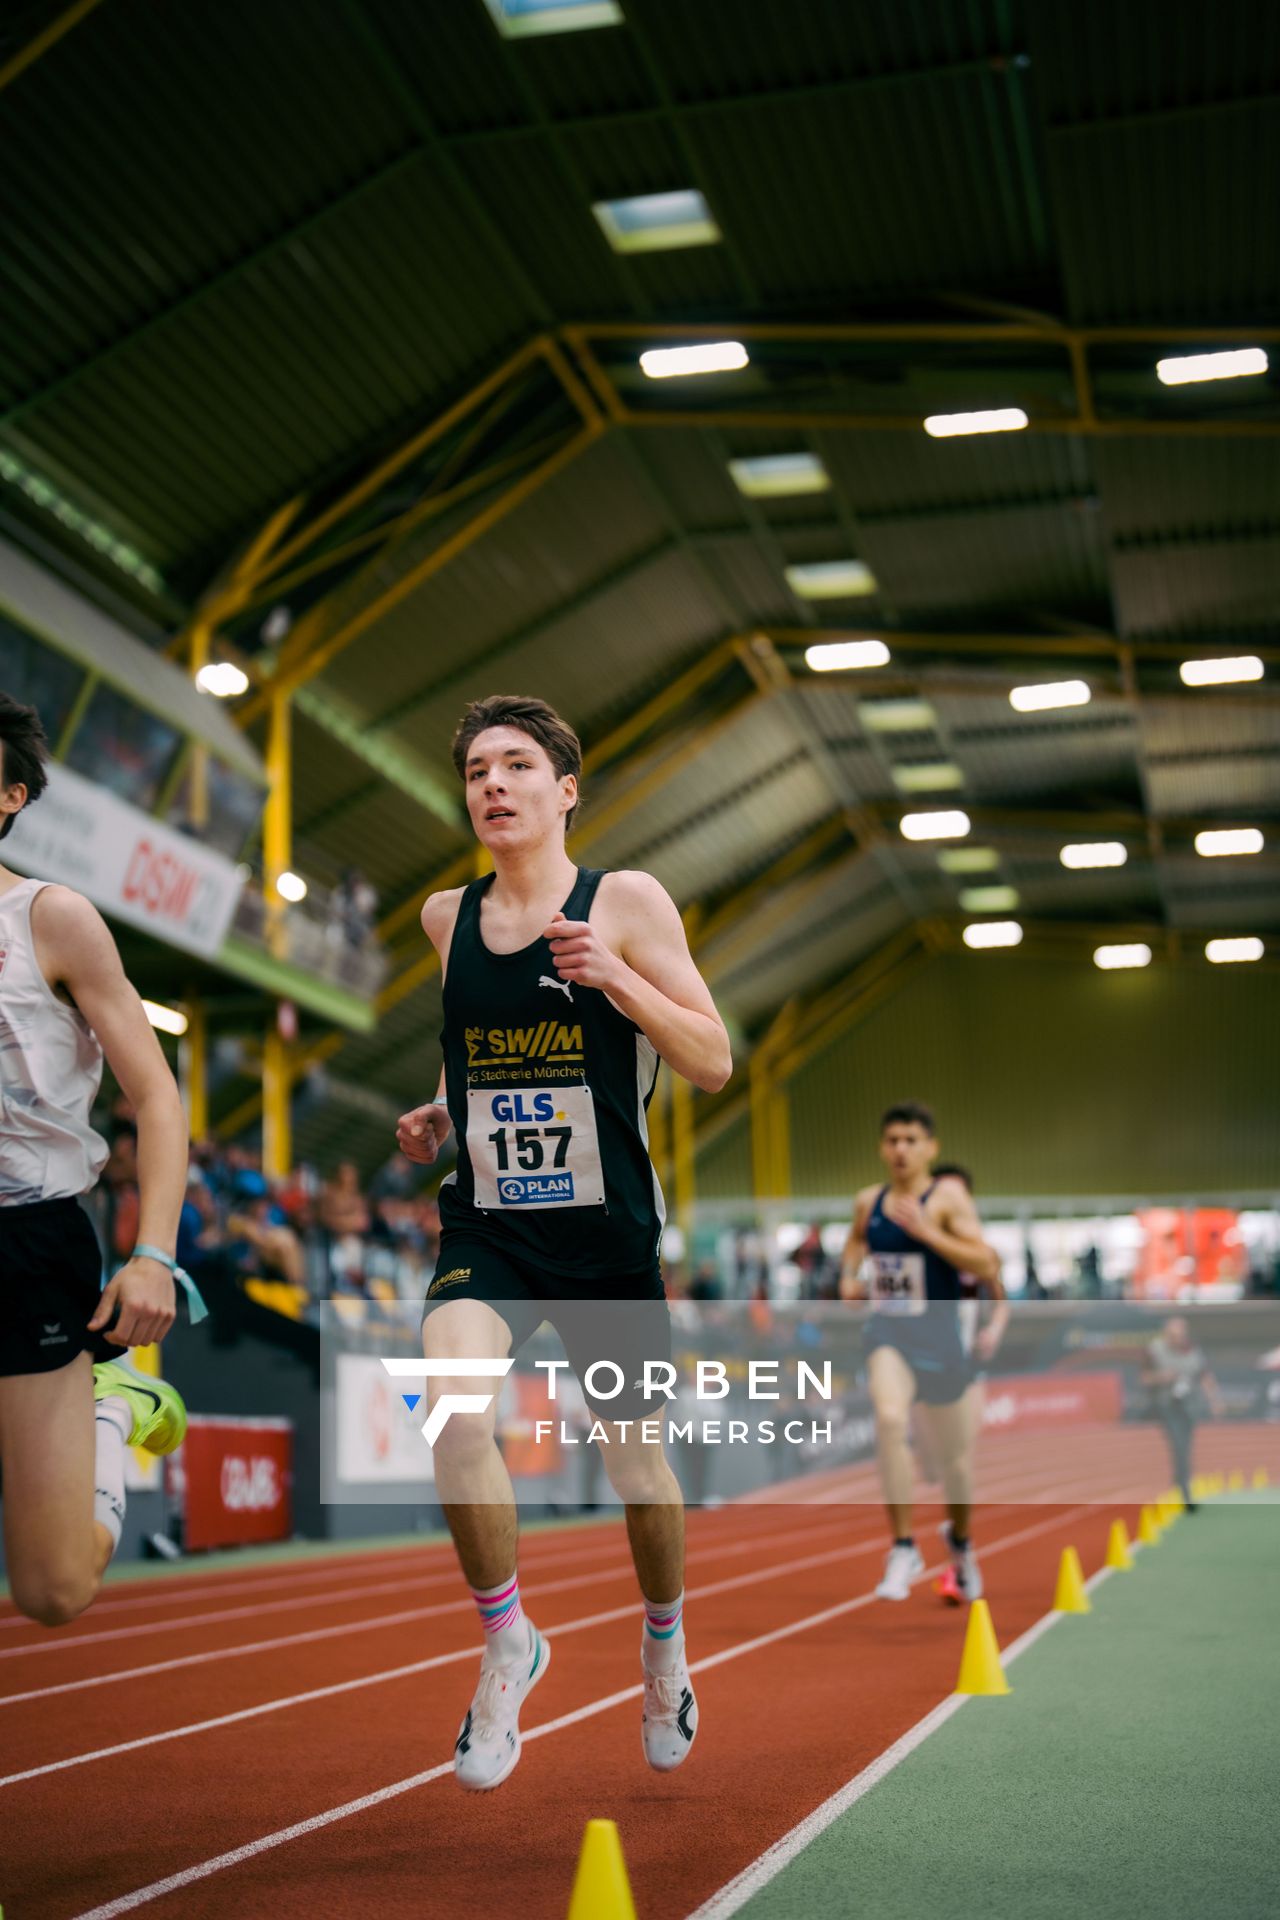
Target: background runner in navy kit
column 929, row 1339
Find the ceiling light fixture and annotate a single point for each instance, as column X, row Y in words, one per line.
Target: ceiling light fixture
column 1094, row 853
column 709, row 356
column 1180, row 370
column 835, row 656
column 1049, row 694
column 992, row 933
column 1136, row 954
column 948, row 426
column 1220, row 673
column 951, row 825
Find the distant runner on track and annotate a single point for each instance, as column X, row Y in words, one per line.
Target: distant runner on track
column 908, row 1247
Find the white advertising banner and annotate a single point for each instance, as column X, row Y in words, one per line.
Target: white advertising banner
column 131, row 866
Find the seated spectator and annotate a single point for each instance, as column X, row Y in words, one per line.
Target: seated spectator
column 343, row 1209
column 267, row 1248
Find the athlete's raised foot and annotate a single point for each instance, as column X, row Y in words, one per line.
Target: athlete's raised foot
column 159, row 1412
column 670, row 1718
column 965, row 1583
column 902, row 1567
column 487, row 1750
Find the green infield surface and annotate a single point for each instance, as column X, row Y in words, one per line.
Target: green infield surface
column 1134, row 1770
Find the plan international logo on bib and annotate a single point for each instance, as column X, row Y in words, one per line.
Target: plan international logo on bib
column 536, row 1189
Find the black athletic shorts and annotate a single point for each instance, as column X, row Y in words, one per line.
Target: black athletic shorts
column 624, row 1319
column 933, row 1350
column 50, row 1285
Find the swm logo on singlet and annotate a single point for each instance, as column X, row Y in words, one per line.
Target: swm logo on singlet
column 532, row 1051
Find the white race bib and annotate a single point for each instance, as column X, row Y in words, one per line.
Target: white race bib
column 534, row 1147
column 897, row 1283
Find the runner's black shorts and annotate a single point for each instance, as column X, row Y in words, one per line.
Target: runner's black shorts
column 50, row 1285
column 932, row 1349
column 623, row 1319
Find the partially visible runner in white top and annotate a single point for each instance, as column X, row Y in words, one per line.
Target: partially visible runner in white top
column 50, row 1072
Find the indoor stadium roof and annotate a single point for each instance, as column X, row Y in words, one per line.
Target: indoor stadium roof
column 333, row 272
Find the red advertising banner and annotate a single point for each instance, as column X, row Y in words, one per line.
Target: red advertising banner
column 234, row 1479
column 1031, row 1400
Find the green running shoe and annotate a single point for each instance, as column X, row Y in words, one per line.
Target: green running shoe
column 159, row 1415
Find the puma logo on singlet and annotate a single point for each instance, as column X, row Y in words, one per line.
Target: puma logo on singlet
column 561, row 986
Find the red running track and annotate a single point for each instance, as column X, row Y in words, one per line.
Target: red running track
column 252, row 1704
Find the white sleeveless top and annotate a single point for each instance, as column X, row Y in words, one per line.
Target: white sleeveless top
column 50, row 1072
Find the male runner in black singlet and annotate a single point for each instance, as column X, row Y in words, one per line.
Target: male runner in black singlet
column 563, row 987
column 914, row 1237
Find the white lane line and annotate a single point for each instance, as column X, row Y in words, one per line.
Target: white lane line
column 219, row 1654
column 735, row 1894
column 468, row 1652
column 126, row 1903
column 54, row 1640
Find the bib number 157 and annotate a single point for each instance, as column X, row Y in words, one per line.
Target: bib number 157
column 534, row 1147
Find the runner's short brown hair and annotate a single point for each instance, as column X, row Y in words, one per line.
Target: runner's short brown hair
column 532, row 716
column 23, row 752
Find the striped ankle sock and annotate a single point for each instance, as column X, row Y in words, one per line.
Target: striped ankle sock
column 663, row 1633
column 506, row 1632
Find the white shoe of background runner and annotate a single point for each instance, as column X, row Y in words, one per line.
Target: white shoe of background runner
column 904, row 1565
column 488, row 1744
column 964, row 1561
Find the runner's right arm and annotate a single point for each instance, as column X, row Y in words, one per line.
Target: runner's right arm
column 855, row 1252
column 421, row 1133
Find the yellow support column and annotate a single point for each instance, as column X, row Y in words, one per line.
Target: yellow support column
column 277, row 818
column 277, row 1090
column 771, row 1111
column 193, row 1067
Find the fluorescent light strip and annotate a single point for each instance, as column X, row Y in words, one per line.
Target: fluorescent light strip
column 992, row 933
column 1220, row 673
column 931, row 776
column 165, row 1019
column 1225, row 951
column 1094, row 853
column 521, row 19
column 1181, row 370
column 989, row 899
column 100, row 538
column 777, row 476
column 1224, row 840
column 934, row 826
column 833, row 656
column 709, row 356
column 1110, row 959
column 657, row 222
column 968, row 859
column 897, row 716
column 831, row 579
column 1049, row 694
column 948, row 426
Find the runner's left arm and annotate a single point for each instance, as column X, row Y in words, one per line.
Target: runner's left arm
column 651, row 978
column 80, row 954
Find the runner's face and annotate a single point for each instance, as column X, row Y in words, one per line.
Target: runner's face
column 514, row 795
column 906, row 1151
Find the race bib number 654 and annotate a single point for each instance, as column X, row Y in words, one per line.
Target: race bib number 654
column 534, row 1147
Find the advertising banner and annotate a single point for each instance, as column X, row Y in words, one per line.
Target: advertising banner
column 1040, row 1400
column 234, row 1479
column 129, row 865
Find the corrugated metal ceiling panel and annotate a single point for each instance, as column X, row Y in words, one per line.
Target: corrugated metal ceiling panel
column 1025, row 557
column 1198, row 587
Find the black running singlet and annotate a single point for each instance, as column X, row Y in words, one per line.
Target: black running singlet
column 547, row 1086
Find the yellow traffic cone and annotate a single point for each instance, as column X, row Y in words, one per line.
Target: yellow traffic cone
column 1164, row 1513
column 1148, row 1531
column 1235, row 1482
column 1069, row 1595
column 1177, row 1502
column 1199, row 1486
column 1260, row 1479
column 601, row 1890
column 1118, row 1555
column 980, row 1669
